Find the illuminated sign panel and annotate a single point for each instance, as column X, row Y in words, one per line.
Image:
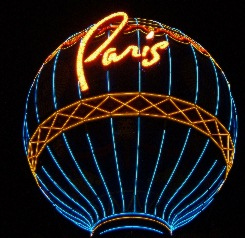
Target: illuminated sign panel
column 130, row 124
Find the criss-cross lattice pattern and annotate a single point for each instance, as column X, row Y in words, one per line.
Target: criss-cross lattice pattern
column 130, row 104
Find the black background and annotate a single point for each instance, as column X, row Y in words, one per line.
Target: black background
column 31, row 30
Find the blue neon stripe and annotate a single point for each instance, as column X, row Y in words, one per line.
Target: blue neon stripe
column 176, row 165
column 173, row 172
column 170, row 69
column 25, row 131
column 193, row 190
column 155, row 169
column 66, row 194
column 117, row 165
column 137, row 164
column 138, row 130
column 204, row 206
column 114, row 143
column 53, row 80
column 196, row 211
column 84, row 221
column 72, row 218
column 108, row 80
column 66, row 143
column 203, row 194
column 83, row 176
column 235, row 125
column 170, row 63
column 185, row 181
column 218, row 90
column 101, row 176
column 63, row 134
column 139, row 64
column 71, row 183
column 197, row 74
column 233, row 114
column 131, row 227
column 80, row 223
column 195, row 101
column 36, row 108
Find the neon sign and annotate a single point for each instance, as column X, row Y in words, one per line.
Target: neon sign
column 148, row 57
column 128, row 194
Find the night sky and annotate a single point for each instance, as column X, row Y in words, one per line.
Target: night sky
column 31, row 30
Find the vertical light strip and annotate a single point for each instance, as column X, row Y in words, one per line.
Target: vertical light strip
column 170, row 63
column 139, row 63
column 117, row 165
column 77, row 165
column 108, row 72
column 84, row 225
column 53, row 80
column 69, row 216
column 79, row 90
column 217, row 84
column 36, row 107
column 233, row 114
column 78, row 81
column 155, row 169
column 84, row 220
column 72, row 218
column 197, row 74
column 185, row 181
column 83, row 176
column 180, row 157
column 174, row 221
column 101, row 176
column 70, row 182
column 170, row 69
column 113, row 141
column 216, row 110
column 183, row 220
column 25, row 131
column 38, row 120
column 138, row 131
column 137, row 164
column 66, row 142
column 173, row 172
column 199, row 210
column 195, row 211
column 235, row 124
column 195, row 101
column 67, row 195
column 108, row 80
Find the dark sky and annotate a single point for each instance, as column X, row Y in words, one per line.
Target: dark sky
column 31, row 30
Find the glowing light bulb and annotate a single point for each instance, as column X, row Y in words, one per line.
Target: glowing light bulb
column 150, row 35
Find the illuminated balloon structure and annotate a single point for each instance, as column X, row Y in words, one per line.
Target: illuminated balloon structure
column 130, row 124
